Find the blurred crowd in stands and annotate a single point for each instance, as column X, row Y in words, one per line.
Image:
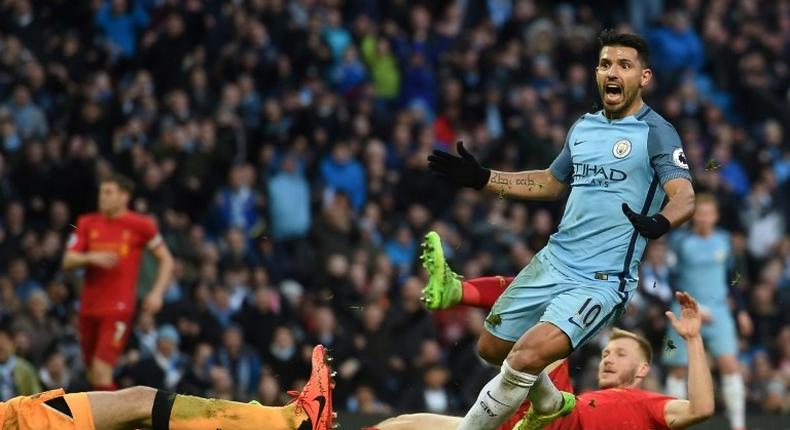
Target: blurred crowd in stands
column 281, row 146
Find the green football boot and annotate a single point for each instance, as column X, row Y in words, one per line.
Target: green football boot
column 444, row 286
column 533, row 421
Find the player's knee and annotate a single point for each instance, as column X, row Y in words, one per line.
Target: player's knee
column 528, row 359
column 728, row 365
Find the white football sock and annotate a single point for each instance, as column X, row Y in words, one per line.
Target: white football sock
column 735, row 399
column 545, row 397
column 676, row 387
column 498, row 400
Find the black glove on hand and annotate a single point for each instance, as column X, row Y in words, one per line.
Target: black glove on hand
column 651, row 227
column 464, row 170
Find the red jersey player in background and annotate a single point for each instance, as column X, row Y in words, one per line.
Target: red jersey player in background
column 620, row 404
column 109, row 245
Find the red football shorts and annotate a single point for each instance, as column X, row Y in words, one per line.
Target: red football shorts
column 103, row 337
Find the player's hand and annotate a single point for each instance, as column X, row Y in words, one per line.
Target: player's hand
column 745, row 323
column 651, row 227
column 688, row 326
column 103, row 259
column 152, row 303
column 464, row 170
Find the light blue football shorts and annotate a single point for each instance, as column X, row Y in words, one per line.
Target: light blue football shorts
column 541, row 293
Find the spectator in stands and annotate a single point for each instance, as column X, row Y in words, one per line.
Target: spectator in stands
column 242, row 364
column 165, row 367
column 433, row 394
column 29, row 118
column 289, row 201
column 341, row 172
column 41, row 328
column 121, row 23
column 55, row 373
column 17, row 376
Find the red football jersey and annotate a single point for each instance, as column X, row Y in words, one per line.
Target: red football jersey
column 610, row 409
column 616, row 409
column 108, row 291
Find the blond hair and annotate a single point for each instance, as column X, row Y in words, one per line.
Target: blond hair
column 644, row 345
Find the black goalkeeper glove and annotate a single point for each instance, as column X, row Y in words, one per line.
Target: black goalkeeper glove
column 651, row 227
column 464, row 170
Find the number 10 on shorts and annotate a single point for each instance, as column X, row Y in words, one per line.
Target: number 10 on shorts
column 586, row 315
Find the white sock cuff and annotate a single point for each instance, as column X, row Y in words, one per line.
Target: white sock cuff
column 517, row 378
column 733, row 378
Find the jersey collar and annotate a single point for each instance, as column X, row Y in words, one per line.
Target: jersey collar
column 638, row 115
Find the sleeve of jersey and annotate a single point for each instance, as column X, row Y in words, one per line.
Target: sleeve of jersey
column 666, row 153
column 151, row 235
column 655, row 404
column 562, row 166
column 78, row 239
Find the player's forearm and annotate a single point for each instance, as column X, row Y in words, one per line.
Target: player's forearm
column 164, row 275
column 700, row 383
column 74, row 260
column 530, row 185
column 680, row 206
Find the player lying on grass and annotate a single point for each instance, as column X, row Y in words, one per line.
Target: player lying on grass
column 145, row 407
column 620, row 403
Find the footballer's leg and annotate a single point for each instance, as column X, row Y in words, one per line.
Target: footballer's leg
column 720, row 337
column 146, row 407
column 575, row 315
column 113, row 332
column 418, row 422
column 445, row 288
column 516, row 312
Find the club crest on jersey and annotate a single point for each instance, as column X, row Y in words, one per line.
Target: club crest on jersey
column 679, row 157
column 621, row 148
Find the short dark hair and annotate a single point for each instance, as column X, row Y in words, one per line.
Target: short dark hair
column 611, row 37
column 122, row 181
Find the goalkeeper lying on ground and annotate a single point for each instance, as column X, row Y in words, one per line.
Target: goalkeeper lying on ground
column 145, row 407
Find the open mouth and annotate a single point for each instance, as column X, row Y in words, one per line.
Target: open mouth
column 613, row 92
column 613, row 89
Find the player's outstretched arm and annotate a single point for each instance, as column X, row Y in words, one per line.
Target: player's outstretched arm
column 529, row 185
column 466, row 171
column 700, row 405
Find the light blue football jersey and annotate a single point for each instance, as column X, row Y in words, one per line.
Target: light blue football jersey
column 702, row 265
column 608, row 163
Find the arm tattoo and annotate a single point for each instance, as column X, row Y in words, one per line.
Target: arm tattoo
column 499, row 179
